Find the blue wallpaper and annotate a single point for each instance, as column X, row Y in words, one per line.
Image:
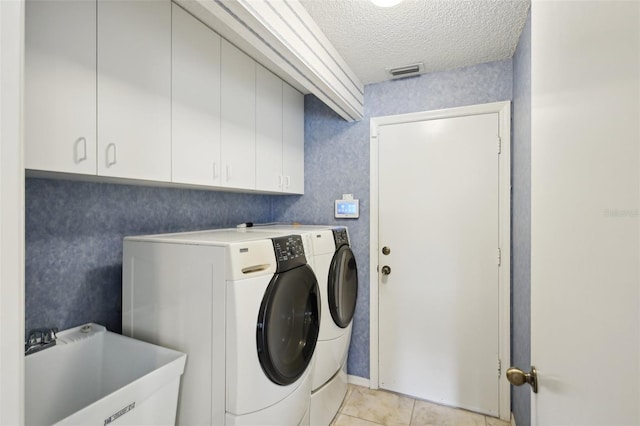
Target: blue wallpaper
column 337, row 161
column 74, row 234
column 521, row 224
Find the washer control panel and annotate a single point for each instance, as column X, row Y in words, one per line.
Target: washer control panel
column 341, row 237
column 289, row 252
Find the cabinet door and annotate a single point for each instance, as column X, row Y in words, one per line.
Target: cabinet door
column 134, row 89
column 293, row 139
column 268, row 131
column 238, row 121
column 195, row 101
column 60, row 86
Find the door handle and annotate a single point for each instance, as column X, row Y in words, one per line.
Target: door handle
column 517, row 377
column 386, row 250
column 386, row 270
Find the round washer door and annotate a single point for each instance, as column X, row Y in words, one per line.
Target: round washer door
column 343, row 286
column 288, row 324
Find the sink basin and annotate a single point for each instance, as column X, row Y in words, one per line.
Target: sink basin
column 96, row 377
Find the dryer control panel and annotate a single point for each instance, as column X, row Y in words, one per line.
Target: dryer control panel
column 289, row 252
column 341, row 237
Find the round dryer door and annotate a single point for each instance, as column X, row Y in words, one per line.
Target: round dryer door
column 288, row 324
column 343, row 286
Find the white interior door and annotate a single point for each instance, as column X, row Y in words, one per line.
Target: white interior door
column 438, row 203
column 585, row 257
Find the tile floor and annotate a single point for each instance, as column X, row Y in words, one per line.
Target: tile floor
column 365, row 407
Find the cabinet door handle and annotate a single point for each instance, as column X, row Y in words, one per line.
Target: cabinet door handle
column 229, row 172
column 287, row 180
column 280, row 181
column 111, row 147
column 76, row 149
column 215, row 170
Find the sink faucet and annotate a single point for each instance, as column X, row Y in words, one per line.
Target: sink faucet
column 39, row 339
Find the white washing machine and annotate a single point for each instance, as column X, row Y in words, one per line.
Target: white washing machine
column 245, row 307
column 335, row 267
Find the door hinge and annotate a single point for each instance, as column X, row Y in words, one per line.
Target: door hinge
column 499, row 256
column 499, row 145
column 499, row 368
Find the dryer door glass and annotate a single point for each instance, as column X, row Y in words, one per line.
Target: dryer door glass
column 288, row 324
column 343, row 286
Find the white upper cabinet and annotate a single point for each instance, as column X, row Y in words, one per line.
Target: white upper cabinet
column 143, row 90
column 279, row 135
column 292, row 140
column 195, row 104
column 134, row 89
column 60, row 86
column 238, row 121
column 269, row 175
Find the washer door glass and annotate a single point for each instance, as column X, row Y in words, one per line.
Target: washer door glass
column 288, row 324
column 343, row 286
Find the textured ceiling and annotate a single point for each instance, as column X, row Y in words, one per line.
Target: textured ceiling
column 444, row 34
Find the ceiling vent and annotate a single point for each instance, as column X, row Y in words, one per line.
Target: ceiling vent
column 406, row 71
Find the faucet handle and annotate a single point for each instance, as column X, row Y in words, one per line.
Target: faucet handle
column 35, row 336
column 41, row 336
column 49, row 335
column 34, row 339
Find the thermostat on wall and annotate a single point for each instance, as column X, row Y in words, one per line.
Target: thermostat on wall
column 347, row 208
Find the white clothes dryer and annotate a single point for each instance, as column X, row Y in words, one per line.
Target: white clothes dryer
column 243, row 306
column 335, row 267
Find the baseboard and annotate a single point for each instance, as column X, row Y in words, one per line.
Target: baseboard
column 358, row 381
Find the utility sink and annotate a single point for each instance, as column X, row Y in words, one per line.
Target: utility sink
column 96, row 377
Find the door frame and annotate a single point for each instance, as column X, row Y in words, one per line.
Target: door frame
column 503, row 109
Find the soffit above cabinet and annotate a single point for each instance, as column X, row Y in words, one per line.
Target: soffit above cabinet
column 282, row 36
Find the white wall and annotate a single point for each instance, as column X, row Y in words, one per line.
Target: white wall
column 11, row 213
